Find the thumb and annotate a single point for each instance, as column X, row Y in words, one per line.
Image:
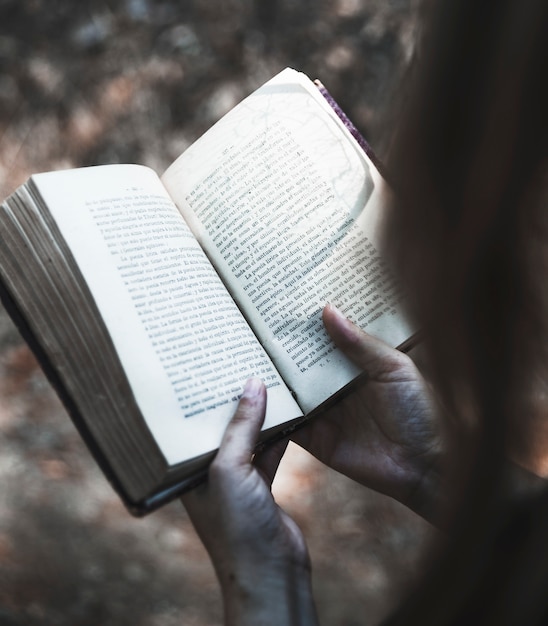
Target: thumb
column 242, row 431
column 371, row 354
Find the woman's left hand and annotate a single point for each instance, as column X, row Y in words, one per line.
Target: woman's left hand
column 258, row 551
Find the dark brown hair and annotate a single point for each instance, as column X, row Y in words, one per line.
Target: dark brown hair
column 470, row 239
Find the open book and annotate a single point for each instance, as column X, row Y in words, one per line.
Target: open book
column 149, row 301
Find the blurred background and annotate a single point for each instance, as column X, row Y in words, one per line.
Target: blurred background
column 110, row 81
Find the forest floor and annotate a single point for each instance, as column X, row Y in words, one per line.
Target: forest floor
column 137, row 81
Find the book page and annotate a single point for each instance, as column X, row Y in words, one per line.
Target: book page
column 289, row 208
column 184, row 345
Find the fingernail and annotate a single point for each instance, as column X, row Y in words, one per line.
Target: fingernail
column 253, row 387
column 338, row 313
column 340, row 325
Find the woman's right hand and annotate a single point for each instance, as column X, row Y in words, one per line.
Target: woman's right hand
column 386, row 433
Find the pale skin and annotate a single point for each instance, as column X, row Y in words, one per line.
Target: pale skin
column 385, row 435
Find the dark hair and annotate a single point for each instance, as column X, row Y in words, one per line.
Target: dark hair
column 470, row 240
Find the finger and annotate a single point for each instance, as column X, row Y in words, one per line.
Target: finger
column 371, row 354
column 243, row 429
column 268, row 460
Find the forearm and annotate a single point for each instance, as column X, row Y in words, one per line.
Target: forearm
column 521, row 482
column 431, row 498
column 281, row 596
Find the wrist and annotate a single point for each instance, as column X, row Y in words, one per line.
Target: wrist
column 280, row 593
column 428, row 495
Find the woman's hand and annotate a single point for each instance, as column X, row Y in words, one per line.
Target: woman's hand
column 386, row 433
column 258, row 551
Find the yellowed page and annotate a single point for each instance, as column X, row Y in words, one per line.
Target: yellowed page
column 288, row 207
column 184, row 345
